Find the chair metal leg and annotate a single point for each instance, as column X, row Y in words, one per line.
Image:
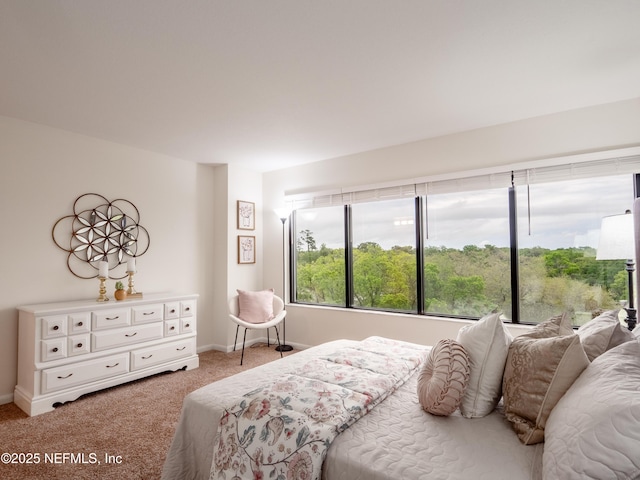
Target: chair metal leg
column 278, row 337
column 268, row 344
column 243, row 340
column 236, row 340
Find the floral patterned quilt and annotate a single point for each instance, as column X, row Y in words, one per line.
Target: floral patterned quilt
column 282, row 430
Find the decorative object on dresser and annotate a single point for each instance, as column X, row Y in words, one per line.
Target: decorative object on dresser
column 68, row 349
column 120, row 293
column 98, row 230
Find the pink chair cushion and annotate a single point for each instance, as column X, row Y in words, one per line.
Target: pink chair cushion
column 255, row 307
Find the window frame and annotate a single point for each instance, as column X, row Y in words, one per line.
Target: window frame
column 420, row 220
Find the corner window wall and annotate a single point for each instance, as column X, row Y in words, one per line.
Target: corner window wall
column 522, row 243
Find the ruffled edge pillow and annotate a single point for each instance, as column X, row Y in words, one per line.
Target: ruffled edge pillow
column 487, row 344
column 255, row 307
column 443, row 378
column 540, row 368
column 593, row 431
column 603, row 333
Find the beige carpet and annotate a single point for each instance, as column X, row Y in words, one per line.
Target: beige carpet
column 133, row 424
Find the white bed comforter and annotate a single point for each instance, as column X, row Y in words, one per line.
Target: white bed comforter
column 397, row 440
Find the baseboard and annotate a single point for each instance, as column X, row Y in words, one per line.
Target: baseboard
column 229, row 348
column 7, row 398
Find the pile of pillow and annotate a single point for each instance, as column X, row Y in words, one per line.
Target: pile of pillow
column 579, row 391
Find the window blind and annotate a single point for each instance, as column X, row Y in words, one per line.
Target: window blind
column 468, row 183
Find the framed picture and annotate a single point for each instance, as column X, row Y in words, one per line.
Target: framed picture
column 246, row 215
column 246, row 249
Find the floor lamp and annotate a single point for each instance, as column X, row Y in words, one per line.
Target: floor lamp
column 283, row 214
column 617, row 243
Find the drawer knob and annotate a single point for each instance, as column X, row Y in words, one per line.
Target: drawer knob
column 131, row 335
column 80, row 324
column 173, row 310
column 148, row 313
column 55, row 349
column 111, row 366
column 79, row 345
column 63, row 378
column 56, row 327
column 112, row 318
column 180, row 349
column 147, row 357
column 172, row 328
column 186, row 325
column 187, row 309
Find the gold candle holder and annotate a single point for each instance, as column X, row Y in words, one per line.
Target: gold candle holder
column 103, row 290
column 131, row 291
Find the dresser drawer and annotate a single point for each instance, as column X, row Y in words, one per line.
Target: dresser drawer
column 79, row 323
column 171, row 310
column 79, row 344
column 146, row 357
column 84, row 372
column 146, row 314
column 187, row 308
column 187, row 325
column 110, row 319
column 54, row 326
column 171, row 327
column 125, row 336
column 53, row 349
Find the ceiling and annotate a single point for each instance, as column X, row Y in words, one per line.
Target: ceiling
column 269, row 84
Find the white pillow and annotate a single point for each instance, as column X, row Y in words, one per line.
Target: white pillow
column 594, row 429
column 603, row 333
column 487, row 344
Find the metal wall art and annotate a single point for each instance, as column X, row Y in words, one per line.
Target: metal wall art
column 100, row 229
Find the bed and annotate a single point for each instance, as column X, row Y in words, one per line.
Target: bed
column 399, row 439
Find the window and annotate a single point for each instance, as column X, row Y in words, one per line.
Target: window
column 384, row 255
column 558, row 231
column 319, row 256
column 467, row 255
column 522, row 243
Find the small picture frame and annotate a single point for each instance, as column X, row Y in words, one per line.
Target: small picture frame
column 246, row 249
column 246, row 215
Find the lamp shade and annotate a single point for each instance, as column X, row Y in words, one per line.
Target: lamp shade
column 616, row 238
column 283, row 213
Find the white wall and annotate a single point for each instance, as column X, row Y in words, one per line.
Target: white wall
column 598, row 128
column 44, row 170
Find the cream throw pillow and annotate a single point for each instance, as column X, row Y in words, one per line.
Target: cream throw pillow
column 603, row 333
column 443, row 378
column 487, row 344
column 255, row 307
column 540, row 368
column 594, row 430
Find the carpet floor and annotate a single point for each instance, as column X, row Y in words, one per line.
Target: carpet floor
column 119, row 433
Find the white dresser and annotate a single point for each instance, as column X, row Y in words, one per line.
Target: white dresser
column 68, row 349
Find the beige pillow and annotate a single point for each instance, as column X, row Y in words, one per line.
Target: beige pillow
column 594, row 431
column 487, row 344
column 443, row 378
column 603, row 333
column 540, row 368
column 255, row 307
